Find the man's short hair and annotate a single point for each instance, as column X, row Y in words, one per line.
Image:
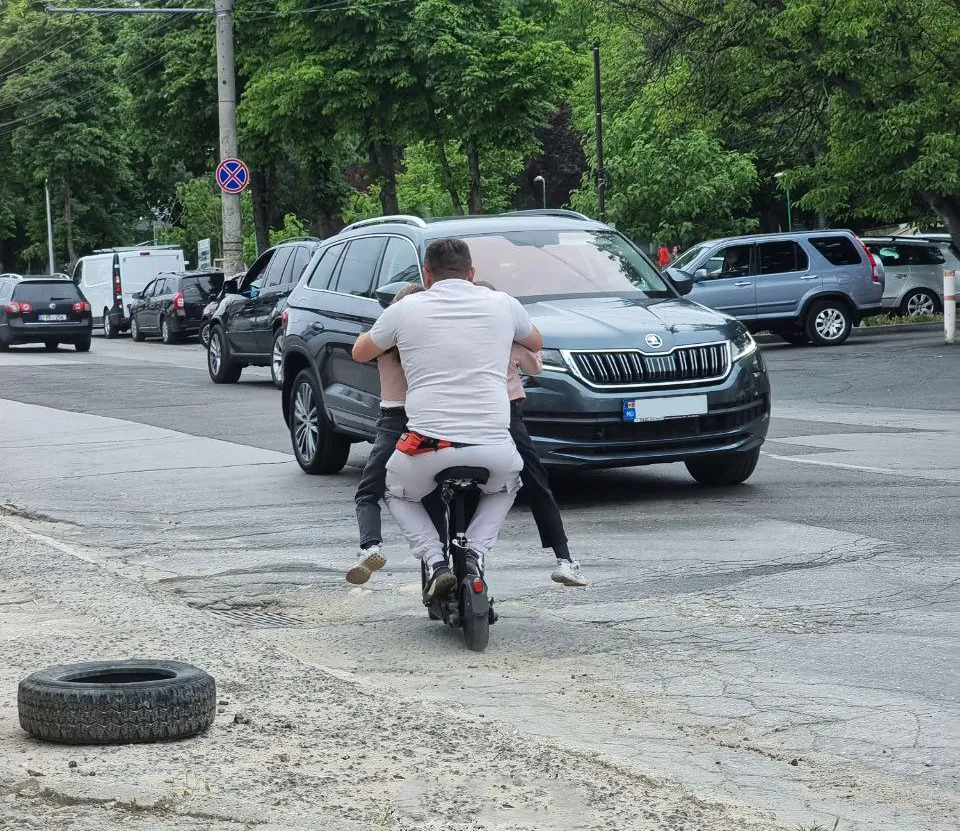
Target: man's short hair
column 448, row 258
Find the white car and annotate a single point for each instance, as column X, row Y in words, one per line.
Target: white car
column 914, row 266
column 109, row 278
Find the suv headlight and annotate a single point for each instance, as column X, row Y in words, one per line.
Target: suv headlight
column 553, row 360
column 743, row 344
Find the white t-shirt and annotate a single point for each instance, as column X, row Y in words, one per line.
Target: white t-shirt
column 454, row 341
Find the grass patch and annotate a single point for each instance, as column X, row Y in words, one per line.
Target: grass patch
column 898, row 320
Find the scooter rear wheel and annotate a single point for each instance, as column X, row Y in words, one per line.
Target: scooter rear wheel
column 476, row 628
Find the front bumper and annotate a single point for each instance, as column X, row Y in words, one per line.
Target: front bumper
column 573, row 425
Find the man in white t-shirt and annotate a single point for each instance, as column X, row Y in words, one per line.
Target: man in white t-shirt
column 454, row 341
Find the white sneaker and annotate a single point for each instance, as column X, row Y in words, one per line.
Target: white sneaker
column 368, row 561
column 568, row 573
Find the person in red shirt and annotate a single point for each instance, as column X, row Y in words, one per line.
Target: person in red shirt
column 663, row 257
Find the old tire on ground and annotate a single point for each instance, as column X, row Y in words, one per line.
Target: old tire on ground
column 117, row 702
column 724, row 469
column 318, row 449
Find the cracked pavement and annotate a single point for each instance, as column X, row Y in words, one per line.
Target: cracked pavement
column 779, row 654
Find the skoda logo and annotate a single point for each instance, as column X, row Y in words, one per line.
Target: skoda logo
column 53, row 305
column 653, row 341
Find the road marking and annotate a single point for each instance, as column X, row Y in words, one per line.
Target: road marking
column 842, row 465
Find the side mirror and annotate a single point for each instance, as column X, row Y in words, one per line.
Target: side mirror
column 682, row 281
column 137, row 295
column 700, row 274
column 230, row 287
column 385, row 294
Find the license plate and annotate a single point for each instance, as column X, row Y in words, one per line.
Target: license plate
column 51, row 318
column 658, row 409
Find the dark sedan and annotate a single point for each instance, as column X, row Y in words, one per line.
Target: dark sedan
column 47, row 309
column 633, row 373
column 172, row 305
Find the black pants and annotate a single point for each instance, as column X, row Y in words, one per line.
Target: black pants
column 373, row 482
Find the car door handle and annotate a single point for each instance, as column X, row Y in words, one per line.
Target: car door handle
column 810, row 277
column 744, row 283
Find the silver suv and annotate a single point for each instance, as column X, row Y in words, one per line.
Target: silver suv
column 914, row 268
column 808, row 287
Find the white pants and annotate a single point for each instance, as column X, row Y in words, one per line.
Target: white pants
column 410, row 478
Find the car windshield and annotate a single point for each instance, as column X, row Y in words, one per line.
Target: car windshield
column 46, row 292
column 542, row 264
column 201, row 286
column 687, row 257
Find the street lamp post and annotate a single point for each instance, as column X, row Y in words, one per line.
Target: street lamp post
column 778, row 177
column 539, row 180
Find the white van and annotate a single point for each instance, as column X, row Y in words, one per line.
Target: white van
column 108, row 279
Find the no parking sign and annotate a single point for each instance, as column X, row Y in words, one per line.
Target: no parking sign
column 233, row 176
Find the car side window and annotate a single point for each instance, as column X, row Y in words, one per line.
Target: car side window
column 782, row 257
column 167, row 286
column 323, row 270
column 890, row 255
column 925, row 255
column 296, row 264
column 837, row 250
column 148, row 289
column 78, row 273
column 255, row 272
column 400, row 263
column 274, row 273
column 731, row 261
column 6, row 291
column 356, row 273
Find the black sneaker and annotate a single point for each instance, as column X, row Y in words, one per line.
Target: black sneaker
column 440, row 582
column 474, row 563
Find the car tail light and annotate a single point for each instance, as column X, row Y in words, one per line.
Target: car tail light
column 178, row 302
column 16, row 308
column 477, row 585
column 874, row 271
column 284, row 317
column 118, row 293
column 81, row 306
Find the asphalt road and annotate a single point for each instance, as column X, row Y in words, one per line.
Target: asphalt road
column 792, row 645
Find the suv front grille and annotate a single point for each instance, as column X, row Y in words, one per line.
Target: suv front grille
column 632, row 368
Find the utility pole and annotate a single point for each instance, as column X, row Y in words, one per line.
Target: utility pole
column 601, row 171
column 50, row 260
column 226, row 106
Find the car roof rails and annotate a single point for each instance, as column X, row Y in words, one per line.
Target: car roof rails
column 138, row 247
column 565, row 212
column 300, row 239
column 399, row 219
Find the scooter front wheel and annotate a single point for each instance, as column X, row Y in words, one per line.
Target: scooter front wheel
column 476, row 627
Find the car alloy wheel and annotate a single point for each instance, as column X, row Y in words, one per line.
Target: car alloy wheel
column 830, row 323
column 205, row 334
column 165, row 331
column 306, row 421
column 215, row 353
column 276, row 363
column 920, row 303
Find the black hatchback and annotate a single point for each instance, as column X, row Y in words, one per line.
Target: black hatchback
column 47, row 309
column 172, row 305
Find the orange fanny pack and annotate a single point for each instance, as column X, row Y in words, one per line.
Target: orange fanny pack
column 413, row 444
